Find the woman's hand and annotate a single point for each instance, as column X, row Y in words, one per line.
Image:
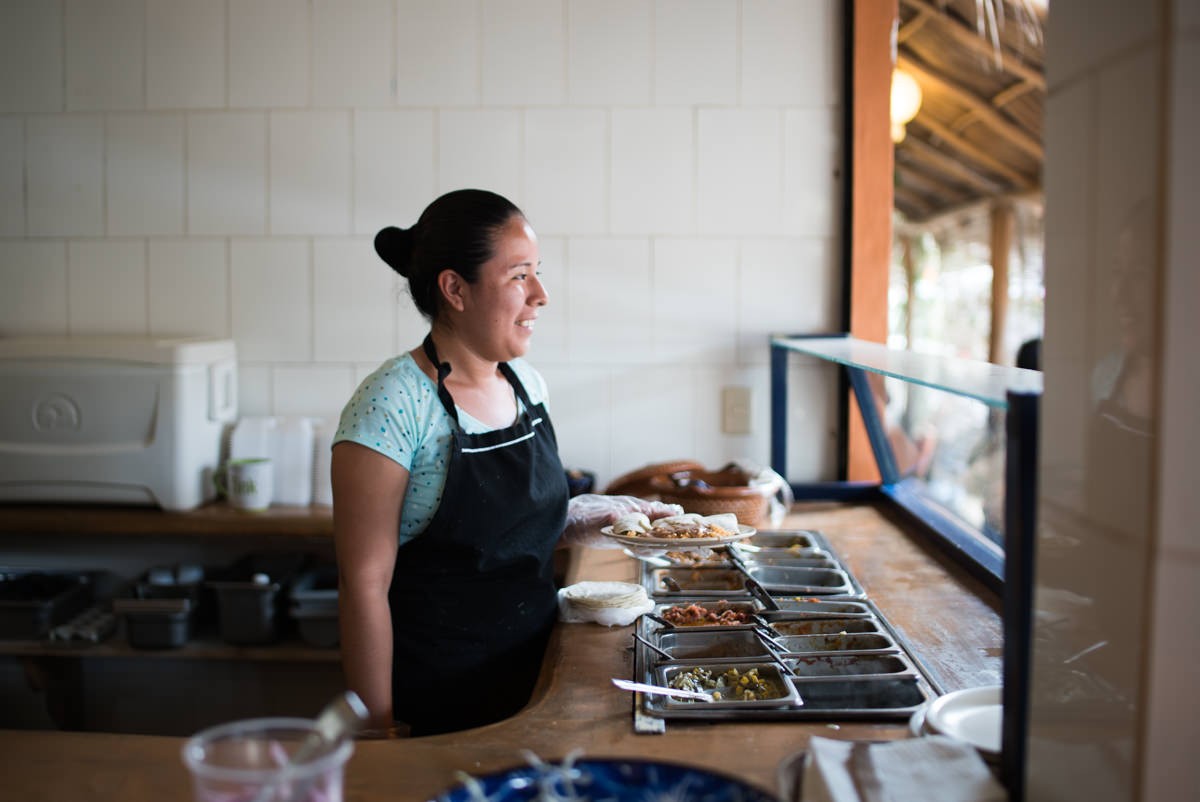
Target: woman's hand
column 588, row 513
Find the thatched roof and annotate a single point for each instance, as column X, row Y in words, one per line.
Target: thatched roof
column 978, row 133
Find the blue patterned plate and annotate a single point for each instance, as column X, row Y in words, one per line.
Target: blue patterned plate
column 604, row 781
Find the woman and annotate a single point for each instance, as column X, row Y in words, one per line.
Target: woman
column 449, row 497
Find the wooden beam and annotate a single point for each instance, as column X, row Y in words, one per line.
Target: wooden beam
column 1003, row 225
column 912, row 26
column 871, row 197
column 1006, row 96
column 913, row 205
column 948, row 216
column 950, row 167
column 975, row 153
column 983, row 110
column 910, row 177
column 974, row 42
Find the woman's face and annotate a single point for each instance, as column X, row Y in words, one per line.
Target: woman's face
column 501, row 307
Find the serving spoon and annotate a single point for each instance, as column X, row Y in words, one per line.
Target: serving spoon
column 626, row 685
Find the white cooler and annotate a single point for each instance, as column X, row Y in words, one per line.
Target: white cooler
column 114, row 419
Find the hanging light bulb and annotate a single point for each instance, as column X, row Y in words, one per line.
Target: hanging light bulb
column 906, row 102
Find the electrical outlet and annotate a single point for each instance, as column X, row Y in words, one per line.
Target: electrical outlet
column 735, row 410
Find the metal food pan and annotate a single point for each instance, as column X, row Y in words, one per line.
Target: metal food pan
column 823, row 626
column 665, row 673
column 808, row 581
column 787, row 560
column 855, row 697
column 746, row 551
column 848, row 643
column 698, row 582
column 718, row 606
column 712, row 644
column 786, row 539
column 808, row 606
column 837, row 667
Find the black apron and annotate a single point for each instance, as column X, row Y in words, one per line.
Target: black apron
column 473, row 596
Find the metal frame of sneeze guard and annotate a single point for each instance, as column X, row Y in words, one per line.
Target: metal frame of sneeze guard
column 1009, row 572
column 981, row 381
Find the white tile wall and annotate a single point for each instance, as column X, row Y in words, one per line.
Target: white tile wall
column 580, row 398
column 106, row 287
column 524, row 53
column 271, row 283
column 596, row 32
column 1187, row 17
column 740, row 181
column 787, row 286
column 691, row 274
column 64, row 171
column 185, row 54
column 781, row 43
column 105, row 54
column 31, row 56
column 393, row 168
column 347, row 275
column 269, row 47
column 653, row 158
column 239, row 155
column 696, row 52
column 566, row 169
column 812, row 164
column 227, row 173
column 310, row 172
column 313, row 390
column 189, row 287
column 254, row 389
column 480, row 148
column 1112, row 152
column 144, row 174
column 34, row 277
column 653, row 426
column 12, row 176
column 352, row 52
column 610, row 305
column 438, row 52
column 1112, row 26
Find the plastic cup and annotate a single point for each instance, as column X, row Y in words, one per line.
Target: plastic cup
column 244, row 761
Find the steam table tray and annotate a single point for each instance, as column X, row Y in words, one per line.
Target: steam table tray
column 836, row 652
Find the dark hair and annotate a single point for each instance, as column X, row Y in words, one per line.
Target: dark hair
column 456, row 232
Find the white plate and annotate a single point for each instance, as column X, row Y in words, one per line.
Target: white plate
column 678, row 543
column 974, row 715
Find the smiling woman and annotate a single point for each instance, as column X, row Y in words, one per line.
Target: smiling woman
column 449, row 496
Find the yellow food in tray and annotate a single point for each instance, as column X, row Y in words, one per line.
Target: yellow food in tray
column 731, row 685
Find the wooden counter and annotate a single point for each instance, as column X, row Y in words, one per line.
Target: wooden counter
column 951, row 622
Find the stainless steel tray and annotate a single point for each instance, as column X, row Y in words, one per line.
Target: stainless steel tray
column 841, row 655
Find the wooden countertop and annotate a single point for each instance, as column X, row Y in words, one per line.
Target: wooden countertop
column 951, row 622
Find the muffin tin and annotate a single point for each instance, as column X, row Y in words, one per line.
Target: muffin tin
column 828, row 642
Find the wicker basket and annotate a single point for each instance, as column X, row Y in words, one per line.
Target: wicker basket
column 637, row 483
column 716, row 492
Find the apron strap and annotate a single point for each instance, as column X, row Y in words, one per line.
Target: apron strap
column 443, row 370
column 511, row 375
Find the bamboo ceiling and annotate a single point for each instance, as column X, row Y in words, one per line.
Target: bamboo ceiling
column 978, row 133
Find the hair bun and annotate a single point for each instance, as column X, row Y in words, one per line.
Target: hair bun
column 394, row 246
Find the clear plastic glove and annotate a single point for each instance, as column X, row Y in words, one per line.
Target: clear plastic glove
column 588, row 513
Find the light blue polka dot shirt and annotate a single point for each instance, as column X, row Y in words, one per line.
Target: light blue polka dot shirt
column 396, row 411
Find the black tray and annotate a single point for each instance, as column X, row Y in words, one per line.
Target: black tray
column 32, row 602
